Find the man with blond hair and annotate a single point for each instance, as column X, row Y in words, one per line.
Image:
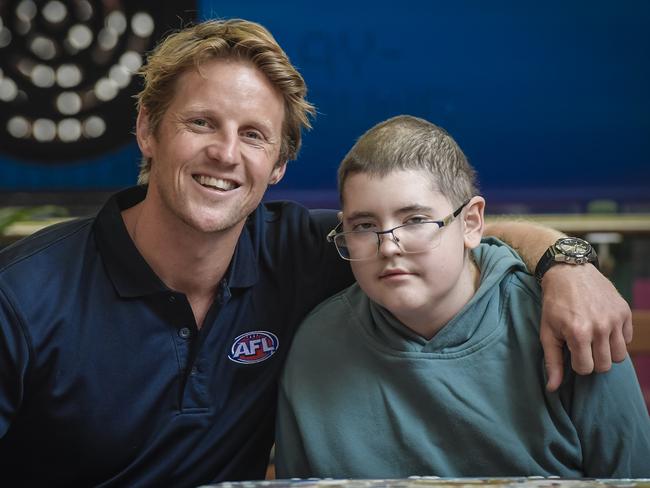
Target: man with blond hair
column 142, row 347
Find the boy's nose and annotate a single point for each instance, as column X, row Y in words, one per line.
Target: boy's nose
column 389, row 245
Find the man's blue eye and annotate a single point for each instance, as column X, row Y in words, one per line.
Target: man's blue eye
column 251, row 134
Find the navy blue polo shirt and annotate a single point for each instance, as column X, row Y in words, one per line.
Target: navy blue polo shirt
column 105, row 378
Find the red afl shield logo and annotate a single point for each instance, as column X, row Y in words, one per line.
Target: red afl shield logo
column 253, row 347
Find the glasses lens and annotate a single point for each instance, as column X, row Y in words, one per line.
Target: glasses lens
column 356, row 246
column 419, row 237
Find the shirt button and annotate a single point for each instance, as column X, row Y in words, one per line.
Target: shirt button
column 185, row 333
column 171, row 298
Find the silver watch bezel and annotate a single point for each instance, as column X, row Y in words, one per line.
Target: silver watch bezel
column 573, row 250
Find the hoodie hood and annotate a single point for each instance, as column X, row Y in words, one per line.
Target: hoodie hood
column 474, row 323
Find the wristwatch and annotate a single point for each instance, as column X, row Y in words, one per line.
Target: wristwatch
column 571, row 250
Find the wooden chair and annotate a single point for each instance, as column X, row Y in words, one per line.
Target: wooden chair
column 641, row 339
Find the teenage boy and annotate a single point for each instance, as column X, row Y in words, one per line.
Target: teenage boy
column 430, row 364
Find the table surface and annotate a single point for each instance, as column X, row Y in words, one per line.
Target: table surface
column 435, row 482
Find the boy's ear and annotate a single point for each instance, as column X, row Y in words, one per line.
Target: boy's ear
column 473, row 222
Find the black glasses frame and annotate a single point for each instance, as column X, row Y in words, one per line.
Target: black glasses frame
column 335, row 232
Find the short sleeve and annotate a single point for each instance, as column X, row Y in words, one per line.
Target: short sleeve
column 14, row 360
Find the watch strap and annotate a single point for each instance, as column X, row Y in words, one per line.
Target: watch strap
column 545, row 262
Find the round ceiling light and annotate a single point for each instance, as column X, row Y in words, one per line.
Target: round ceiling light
column 67, row 73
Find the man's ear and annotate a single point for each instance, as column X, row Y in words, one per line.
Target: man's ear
column 143, row 133
column 277, row 173
column 473, row 222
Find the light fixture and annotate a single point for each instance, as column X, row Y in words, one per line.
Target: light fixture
column 67, row 73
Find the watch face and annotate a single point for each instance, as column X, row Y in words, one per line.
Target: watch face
column 573, row 247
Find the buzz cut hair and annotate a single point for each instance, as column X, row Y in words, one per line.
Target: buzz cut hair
column 405, row 142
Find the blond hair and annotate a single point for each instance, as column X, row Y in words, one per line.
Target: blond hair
column 237, row 39
column 407, row 142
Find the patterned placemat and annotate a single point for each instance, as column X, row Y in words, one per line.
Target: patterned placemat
column 434, row 482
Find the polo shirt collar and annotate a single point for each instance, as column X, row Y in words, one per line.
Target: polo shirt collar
column 131, row 274
column 244, row 268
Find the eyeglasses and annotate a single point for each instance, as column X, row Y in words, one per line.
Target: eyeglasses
column 411, row 238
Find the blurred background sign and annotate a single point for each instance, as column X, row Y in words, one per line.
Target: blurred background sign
column 549, row 100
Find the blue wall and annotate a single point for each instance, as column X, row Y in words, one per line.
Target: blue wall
column 550, row 100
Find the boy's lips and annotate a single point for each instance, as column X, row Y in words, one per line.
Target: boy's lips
column 394, row 272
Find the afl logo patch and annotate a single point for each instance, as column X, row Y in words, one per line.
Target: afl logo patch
column 253, row 347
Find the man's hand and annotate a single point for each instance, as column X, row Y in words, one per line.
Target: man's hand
column 582, row 308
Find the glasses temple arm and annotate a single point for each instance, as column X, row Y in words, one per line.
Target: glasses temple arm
column 447, row 220
column 332, row 234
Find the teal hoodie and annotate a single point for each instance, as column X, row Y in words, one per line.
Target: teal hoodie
column 363, row 396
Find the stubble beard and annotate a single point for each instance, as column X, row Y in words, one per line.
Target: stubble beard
column 218, row 218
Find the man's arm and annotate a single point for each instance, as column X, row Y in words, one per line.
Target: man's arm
column 14, row 355
column 580, row 306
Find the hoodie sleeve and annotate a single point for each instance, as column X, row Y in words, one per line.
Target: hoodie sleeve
column 612, row 422
column 290, row 456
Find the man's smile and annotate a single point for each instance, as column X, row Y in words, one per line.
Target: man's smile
column 215, row 183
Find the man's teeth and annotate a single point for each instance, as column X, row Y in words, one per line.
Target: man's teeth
column 217, row 183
